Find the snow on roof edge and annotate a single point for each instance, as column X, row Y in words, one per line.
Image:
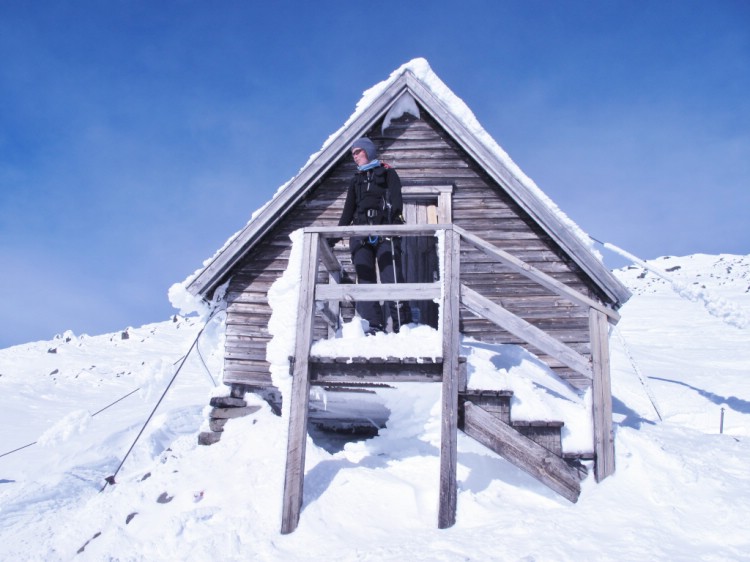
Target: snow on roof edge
column 422, row 71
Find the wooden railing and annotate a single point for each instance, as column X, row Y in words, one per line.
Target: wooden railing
column 472, row 300
column 451, row 294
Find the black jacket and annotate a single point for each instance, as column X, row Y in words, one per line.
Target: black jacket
column 377, row 190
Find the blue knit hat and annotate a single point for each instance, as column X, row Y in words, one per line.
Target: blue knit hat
column 368, row 146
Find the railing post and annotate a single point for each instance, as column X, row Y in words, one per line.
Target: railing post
column 298, row 401
column 451, row 342
column 604, row 442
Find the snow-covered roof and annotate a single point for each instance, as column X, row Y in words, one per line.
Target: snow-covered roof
column 414, row 80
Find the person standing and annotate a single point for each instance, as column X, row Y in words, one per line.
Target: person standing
column 374, row 197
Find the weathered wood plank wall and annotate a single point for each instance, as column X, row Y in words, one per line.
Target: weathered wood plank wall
column 422, row 154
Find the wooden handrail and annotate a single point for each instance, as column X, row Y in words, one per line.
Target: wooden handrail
column 377, row 291
column 491, row 250
column 534, row 274
column 379, row 229
column 472, row 300
column 528, row 332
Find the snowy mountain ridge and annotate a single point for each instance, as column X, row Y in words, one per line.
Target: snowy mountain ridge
column 72, row 407
column 709, row 271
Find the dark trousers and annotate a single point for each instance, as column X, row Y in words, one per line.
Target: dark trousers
column 385, row 253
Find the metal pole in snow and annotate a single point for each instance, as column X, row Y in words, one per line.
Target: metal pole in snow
column 721, row 423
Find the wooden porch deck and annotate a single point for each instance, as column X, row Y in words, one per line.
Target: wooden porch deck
column 460, row 406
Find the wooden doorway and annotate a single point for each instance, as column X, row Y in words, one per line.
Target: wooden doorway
column 424, row 205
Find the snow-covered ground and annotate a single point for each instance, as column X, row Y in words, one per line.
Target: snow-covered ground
column 680, row 362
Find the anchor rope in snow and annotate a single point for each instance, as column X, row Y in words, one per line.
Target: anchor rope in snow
column 92, row 415
column 19, row 449
column 203, row 361
column 116, row 401
column 183, row 358
column 110, row 480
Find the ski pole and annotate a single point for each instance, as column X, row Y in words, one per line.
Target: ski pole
column 395, row 282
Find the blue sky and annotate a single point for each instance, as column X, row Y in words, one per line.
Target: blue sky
column 136, row 137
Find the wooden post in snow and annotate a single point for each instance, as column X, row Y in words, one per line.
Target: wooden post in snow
column 604, row 442
column 298, row 401
column 451, row 342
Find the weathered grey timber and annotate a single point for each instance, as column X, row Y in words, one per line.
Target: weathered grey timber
column 532, row 273
column 604, row 441
column 436, row 155
column 527, row 455
column 249, row 312
column 297, row 441
column 519, row 327
column 326, row 370
column 451, row 346
column 546, row 433
column 495, row 402
column 376, row 292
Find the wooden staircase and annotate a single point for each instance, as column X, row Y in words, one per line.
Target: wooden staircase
column 535, row 447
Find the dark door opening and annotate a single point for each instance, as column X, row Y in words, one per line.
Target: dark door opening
column 419, row 254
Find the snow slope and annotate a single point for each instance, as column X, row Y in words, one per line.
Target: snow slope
column 681, row 490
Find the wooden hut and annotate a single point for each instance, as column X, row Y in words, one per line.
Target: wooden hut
column 515, row 270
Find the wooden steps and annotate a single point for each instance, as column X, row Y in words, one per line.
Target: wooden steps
column 495, row 402
column 548, row 434
column 527, row 444
column 531, row 457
